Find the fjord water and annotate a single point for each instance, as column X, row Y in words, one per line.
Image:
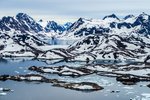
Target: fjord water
column 113, row 90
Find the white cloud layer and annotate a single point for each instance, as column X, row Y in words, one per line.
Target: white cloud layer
column 73, row 9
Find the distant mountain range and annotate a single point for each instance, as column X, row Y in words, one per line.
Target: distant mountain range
column 108, row 38
column 111, row 24
column 24, row 23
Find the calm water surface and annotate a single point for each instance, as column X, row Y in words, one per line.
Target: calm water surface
column 44, row 91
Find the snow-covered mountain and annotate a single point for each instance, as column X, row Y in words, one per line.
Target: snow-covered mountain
column 131, row 46
column 21, row 35
column 110, row 38
column 53, row 26
column 110, row 23
column 22, row 22
column 28, row 23
column 111, row 18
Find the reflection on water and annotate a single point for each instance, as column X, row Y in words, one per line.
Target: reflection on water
column 113, row 90
column 3, row 60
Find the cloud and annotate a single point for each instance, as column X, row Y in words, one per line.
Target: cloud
column 74, row 8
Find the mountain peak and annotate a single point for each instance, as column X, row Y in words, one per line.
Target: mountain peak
column 128, row 16
column 76, row 24
column 111, row 16
column 40, row 20
column 81, row 19
column 24, row 16
column 53, row 26
column 67, row 25
column 143, row 16
column 28, row 22
column 7, row 19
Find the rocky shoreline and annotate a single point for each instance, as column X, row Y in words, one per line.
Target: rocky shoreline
column 126, row 74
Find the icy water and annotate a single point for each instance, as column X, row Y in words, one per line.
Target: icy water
column 113, row 90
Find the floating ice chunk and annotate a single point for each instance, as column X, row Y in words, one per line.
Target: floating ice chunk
column 145, row 96
column 128, row 87
column 129, row 92
column 3, row 94
column 1, row 89
column 34, row 78
column 84, row 87
column 17, row 72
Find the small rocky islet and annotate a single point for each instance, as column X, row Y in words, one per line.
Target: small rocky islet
column 128, row 78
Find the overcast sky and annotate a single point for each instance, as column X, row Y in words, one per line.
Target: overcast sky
column 70, row 10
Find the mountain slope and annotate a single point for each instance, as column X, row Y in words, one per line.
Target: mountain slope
column 112, row 47
column 111, row 38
